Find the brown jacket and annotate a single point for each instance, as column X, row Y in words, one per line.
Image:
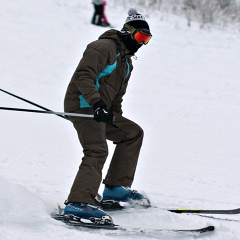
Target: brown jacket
column 102, row 73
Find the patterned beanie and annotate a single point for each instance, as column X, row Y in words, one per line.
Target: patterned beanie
column 136, row 20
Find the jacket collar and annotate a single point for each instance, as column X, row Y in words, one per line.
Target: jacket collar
column 114, row 35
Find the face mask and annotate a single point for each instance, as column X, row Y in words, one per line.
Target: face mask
column 130, row 43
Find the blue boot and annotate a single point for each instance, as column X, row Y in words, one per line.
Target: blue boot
column 87, row 212
column 125, row 194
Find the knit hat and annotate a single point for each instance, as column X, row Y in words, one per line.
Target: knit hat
column 136, row 20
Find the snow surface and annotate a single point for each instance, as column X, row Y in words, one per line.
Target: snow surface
column 184, row 92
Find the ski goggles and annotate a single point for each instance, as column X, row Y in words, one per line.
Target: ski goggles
column 141, row 36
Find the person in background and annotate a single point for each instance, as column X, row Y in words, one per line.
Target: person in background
column 99, row 17
column 97, row 87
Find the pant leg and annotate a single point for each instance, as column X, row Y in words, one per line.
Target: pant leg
column 94, row 14
column 99, row 10
column 92, row 137
column 104, row 14
column 128, row 138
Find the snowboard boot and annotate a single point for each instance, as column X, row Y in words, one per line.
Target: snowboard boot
column 124, row 194
column 81, row 212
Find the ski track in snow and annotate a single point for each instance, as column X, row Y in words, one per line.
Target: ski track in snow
column 184, row 92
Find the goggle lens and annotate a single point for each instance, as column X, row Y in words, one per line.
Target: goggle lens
column 142, row 37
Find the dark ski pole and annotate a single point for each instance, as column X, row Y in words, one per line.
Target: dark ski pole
column 32, row 103
column 47, row 112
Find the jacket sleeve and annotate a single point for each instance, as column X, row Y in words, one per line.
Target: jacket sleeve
column 91, row 64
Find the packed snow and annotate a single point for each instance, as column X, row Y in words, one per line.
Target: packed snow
column 184, row 92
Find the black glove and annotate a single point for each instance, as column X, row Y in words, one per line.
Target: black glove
column 102, row 114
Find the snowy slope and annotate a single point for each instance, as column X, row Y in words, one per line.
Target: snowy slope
column 184, row 92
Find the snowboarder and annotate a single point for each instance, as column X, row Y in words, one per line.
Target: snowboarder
column 99, row 17
column 97, row 87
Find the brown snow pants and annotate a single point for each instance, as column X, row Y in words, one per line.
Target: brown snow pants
column 127, row 136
